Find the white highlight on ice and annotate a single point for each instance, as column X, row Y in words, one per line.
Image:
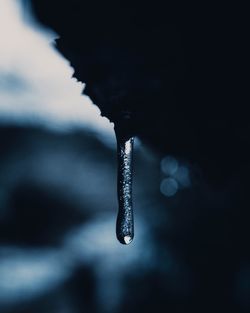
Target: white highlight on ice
column 128, row 147
column 127, row 240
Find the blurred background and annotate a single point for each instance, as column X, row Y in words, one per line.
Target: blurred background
column 58, row 203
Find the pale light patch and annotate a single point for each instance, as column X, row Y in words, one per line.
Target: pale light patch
column 36, row 84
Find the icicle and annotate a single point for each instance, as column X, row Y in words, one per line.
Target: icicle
column 125, row 219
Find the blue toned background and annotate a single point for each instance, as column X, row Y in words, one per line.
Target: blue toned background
column 58, row 202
